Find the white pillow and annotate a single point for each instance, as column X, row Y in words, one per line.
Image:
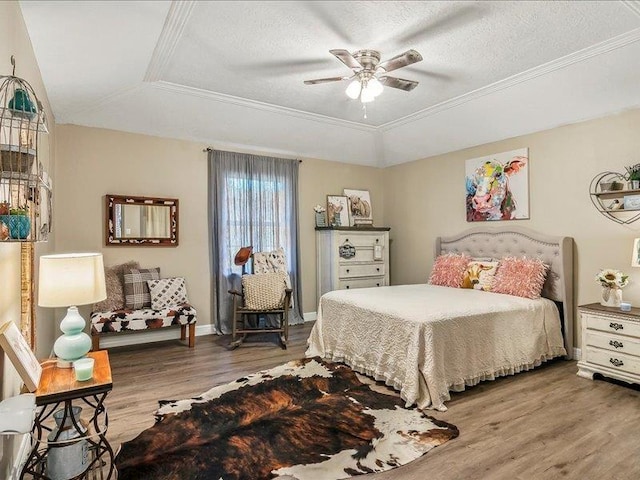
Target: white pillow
column 167, row 292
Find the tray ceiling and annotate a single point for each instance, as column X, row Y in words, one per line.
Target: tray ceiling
column 231, row 73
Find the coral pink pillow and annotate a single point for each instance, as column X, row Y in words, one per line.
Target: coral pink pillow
column 522, row 277
column 448, row 270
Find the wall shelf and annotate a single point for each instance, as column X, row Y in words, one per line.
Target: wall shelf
column 25, row 186
column 603, row 195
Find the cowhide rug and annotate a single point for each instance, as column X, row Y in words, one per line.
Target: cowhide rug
column 307, row 419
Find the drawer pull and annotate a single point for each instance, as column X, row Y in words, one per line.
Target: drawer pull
column 377, row 284
column 377, row 240
column 616, row 326
column 347, row 287
column 347, row 270
column 377, row 270
column 615, row 362
column 616, row 344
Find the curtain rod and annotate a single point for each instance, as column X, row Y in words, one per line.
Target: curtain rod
column 209, row 149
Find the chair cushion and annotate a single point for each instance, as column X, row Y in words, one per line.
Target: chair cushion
column 114, row 278
column 167, row 291
column 142, row 319
column 264, row 291
column 136, row 290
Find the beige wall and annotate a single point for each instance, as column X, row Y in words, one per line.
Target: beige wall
column 93, row 162
column 426, row 198
column 14, row 40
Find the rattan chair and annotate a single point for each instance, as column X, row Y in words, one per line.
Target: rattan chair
column 246, row 318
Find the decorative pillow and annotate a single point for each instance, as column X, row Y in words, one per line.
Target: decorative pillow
column 113, row 277
column 522, row 277
column 264, row 291
column 167, row 292
column 136, row 290
column 479, row 275
column 274, row 261
column 448, row 270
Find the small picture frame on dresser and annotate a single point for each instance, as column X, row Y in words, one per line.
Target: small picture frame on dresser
column 337, row 211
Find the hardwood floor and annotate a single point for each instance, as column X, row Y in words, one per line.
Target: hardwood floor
column 544, row 424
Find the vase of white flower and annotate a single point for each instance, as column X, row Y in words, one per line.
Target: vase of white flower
column 612, row 283
column 321, row 218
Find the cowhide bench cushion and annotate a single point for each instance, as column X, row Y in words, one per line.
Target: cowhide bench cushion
column 128, row 320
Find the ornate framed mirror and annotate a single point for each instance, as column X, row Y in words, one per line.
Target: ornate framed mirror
column 141, row 221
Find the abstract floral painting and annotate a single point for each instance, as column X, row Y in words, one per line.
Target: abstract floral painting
column 497, row 186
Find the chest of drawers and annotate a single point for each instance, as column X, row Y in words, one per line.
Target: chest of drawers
column 610, row 343
column 351, row 258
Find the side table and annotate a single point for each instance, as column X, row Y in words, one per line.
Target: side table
column 610, row 343
column 58, row 389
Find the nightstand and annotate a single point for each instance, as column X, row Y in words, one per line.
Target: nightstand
column 610, row 343
column 81, row 441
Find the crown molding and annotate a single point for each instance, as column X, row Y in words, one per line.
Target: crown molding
column 633, row 5
column 256, row 105
column 174, row 25
column 579, row 56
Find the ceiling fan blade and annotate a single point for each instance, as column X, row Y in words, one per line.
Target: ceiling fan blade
column 324, row 80
column 407, row 58
column 401, row 83
column 456, row 16
column 345, row 57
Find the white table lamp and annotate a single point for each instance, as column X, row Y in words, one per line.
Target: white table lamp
column 68, row 280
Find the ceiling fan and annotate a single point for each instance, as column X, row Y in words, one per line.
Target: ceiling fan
column 369, row 78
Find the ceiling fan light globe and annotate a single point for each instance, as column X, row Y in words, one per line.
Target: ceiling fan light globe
column 366, row 96
column 375, row 86
column 353, row 90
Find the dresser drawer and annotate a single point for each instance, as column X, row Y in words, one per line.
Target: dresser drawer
column 363, row 255
column 358, row 239
column 361, row 283
column 615, row 343
column 613, row 325
column 613, row 360
column 348, row 271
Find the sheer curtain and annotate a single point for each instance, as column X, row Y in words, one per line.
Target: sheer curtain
column 253, row 200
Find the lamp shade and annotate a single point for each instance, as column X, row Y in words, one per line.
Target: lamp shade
column 71, row 279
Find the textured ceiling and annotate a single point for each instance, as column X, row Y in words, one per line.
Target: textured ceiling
column 231, row 73
column 265, row 50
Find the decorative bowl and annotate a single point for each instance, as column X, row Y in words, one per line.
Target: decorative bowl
column 19, row 225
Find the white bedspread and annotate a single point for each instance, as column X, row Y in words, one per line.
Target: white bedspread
column 425, row 340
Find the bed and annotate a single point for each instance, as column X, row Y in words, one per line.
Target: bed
column 427, row 340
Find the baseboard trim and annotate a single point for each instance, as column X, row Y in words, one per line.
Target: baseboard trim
column 159, row 335
column 21, row 457
column 577, row 354
column 310, row 316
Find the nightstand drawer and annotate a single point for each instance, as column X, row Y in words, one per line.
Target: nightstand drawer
column 613, row 325
column 615, row 343
column 348, row 271
column 613, row 360
column 361, row 283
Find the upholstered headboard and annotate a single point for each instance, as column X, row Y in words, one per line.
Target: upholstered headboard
column 557, row 252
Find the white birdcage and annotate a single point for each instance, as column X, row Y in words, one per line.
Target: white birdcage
column 25, row 187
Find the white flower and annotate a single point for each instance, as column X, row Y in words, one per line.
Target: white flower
column 611, row 278
column 319, row 208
